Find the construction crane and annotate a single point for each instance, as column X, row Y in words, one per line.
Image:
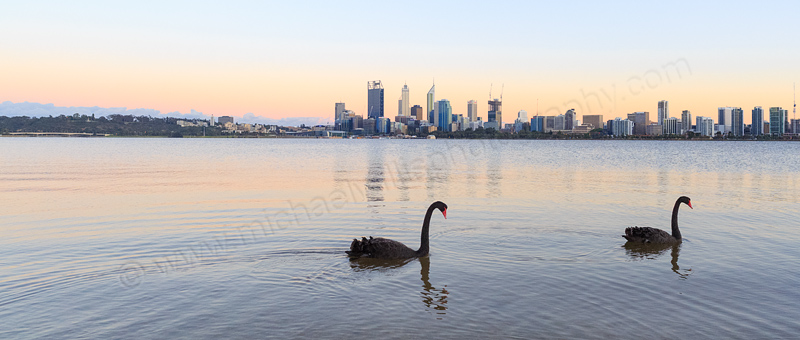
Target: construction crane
column 501, row 92
column 490, row 91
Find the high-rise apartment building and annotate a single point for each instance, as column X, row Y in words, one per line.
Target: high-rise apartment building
column 416, row 112
column 686, row 121
column 472, row 110
column 375, row 99
column 569, row 119
column 640, row 121
column 670, row 126
column 757, row 125
column 431, row 103
column 620, row 127
column 445, row 115
column 404, row 110
column 777, row 121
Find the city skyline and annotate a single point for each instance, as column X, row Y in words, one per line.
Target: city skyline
column 219, row 60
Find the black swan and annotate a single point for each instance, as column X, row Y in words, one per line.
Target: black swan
column 653, row 235
column 384, row 248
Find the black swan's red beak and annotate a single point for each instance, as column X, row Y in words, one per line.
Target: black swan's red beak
column 689, row 204
column 444, row 212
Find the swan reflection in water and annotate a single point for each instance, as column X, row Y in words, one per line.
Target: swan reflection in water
column 434, row 299
column 650, row 251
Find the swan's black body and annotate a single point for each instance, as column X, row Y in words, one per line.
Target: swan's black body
column 653, row 235
column 383, row 248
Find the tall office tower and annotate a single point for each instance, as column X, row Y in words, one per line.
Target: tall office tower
column 670, row 126
column 431, row 103
column 400, row 107
column 559, row 123
column 777, row 121
column 640, row 121
column 472, row 110
column 522, row 116
column 686, row 121
column 549, row 123
column 445, row 115
column 595, row 120
column 725, row 118
column 569, row 119
column 737, row 121
column 704, row 126
column 374, row 99
column 496, row 113
column 339, row 111
column 794, row 126
column 405, row 110
column 663, row 111
column 416, row 112
column 757, row 126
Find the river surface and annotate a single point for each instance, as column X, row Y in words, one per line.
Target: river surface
column 117, row 238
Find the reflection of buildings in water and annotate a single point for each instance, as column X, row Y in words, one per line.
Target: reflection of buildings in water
column 375, row 174
column 437, row 173
column 494, row 175
column 651, row 251
column 434, row 299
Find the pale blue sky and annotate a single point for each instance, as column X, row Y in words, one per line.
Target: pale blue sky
column 240, row 57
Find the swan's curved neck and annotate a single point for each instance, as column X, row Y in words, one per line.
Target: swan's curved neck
column 676, row 233
column 424, row 244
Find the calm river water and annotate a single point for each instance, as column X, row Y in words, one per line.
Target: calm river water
column 114, row 238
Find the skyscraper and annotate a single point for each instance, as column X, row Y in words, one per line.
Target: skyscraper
column 686, row 121
column 416, row 111
column 496, row 114
column 737, row 121
column 777, row 121
column 663, row 111
column 569, row 119
column 374, row 99
column 445, row 113
column 537, row 123
column 339, row 111
column 559, row 123
column 404, row 104
column 725, row 118
column 431, row 103
column 472, row 110
column 757, row 126
column 522, row 116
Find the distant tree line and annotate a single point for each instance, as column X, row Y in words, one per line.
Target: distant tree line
column 118, row 125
